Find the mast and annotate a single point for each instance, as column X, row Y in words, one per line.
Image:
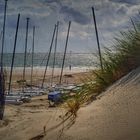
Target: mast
column 48, row 57
column 60, row 81
column 32, row 55
column 2, row 80
column 3, row 34
column 54, row 59
column 25, row 52
column 13, row 57
column 0, row 35
column 97, row 37
column 70, row 61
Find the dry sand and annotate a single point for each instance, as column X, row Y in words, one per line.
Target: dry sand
column 25, row 121
column 113, row 116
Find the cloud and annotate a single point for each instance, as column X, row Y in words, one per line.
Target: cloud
column 51, row 1
column 131, row 2
column 82, row 35
column 111, row 16
column 69, row 13
column 74, row 15
column 31, row 7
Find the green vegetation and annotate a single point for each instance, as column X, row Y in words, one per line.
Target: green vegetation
column 118, row 61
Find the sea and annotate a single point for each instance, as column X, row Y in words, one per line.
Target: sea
column 77, row 60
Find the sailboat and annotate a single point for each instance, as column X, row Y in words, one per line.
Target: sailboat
column 55, row 96
column 54, row 57
column 47, row 63
column 14, row 97
column 31, row 89
column 60, row 85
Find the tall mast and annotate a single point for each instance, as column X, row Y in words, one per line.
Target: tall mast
column 60, row 81
column 3, row 34
column 48, row 57
column 97, row 37
column 13, row 57
column 54, row 59
column 70, row 61
column 2, row 80
column 32, row 55
column 25, row 52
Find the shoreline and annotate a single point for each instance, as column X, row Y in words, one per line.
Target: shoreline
column 42, row 68
column 77, row 75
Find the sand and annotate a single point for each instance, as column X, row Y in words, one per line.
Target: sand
column 24, row 121
column 78, row 74
column 113, row 116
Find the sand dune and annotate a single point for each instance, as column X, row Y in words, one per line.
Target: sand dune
column 115, row 115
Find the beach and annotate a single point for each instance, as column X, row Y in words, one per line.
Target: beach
column 78, row 75
column 114, row 115
column 70, row 70
column 26, row 120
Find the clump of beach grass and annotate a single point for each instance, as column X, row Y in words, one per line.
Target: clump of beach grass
column 73, row 106
column 119, row 60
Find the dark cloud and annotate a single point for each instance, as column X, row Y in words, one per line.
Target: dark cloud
column 74, row 15
column 111, row 15
column 131, row 2
column 1, row 7
column 12, row 21
column 122, row 10
column 69, row 12
column 50, row 1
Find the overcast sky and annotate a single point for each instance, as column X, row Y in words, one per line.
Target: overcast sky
column 112, row 16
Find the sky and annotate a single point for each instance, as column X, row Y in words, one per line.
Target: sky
column 112, row 16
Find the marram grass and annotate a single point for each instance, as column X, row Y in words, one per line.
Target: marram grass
column 117, row 62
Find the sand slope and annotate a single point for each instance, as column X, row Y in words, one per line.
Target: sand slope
column 114, row 116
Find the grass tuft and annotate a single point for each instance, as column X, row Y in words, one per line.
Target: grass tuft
column 123, row 57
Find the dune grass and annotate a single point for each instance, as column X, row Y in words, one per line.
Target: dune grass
column 118, row 61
